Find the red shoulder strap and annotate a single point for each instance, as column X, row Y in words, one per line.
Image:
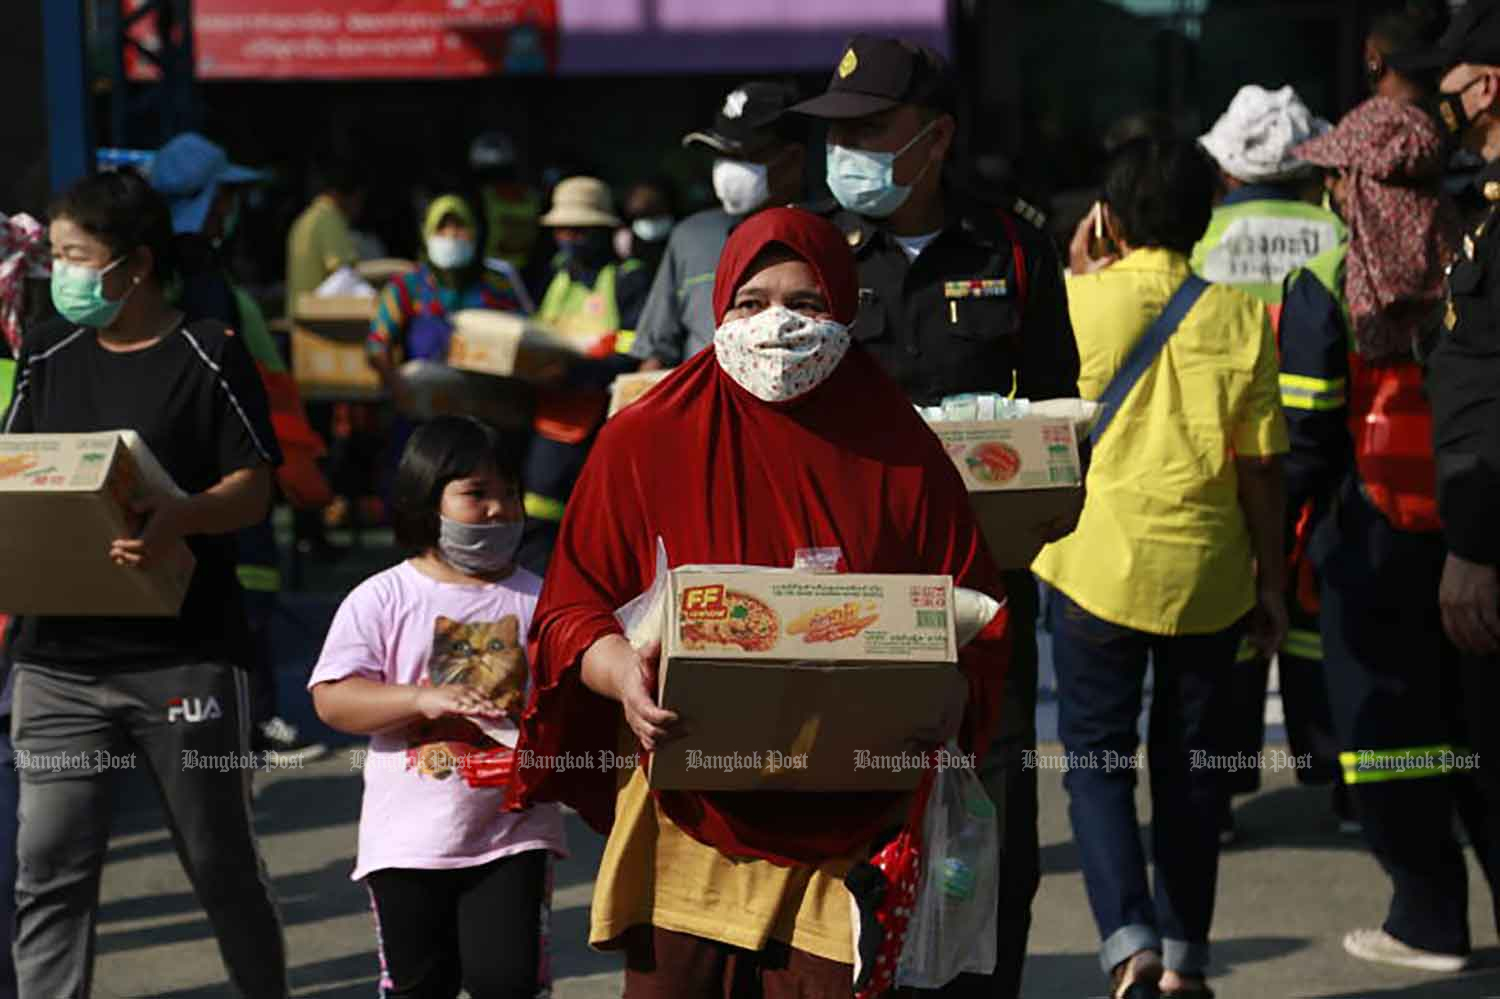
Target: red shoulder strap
column 1019, row 255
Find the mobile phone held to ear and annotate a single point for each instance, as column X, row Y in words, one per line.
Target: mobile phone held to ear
column 1100, row 245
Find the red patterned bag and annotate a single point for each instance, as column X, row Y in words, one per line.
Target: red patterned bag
column 883, row 890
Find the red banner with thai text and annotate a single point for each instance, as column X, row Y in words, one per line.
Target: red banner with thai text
column 360, row 39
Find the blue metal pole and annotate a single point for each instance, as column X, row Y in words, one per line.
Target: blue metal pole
column 69, row 137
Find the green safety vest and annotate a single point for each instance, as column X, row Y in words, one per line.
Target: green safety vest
column 7, row 384
column 1254, row 245
column 576, row 309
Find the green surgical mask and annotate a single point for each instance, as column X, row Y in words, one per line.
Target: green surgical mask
column 78, row 294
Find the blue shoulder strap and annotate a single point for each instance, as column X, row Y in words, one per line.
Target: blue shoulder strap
column 1145, row 352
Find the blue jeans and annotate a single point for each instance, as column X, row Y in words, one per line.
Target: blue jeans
column 1101, row 673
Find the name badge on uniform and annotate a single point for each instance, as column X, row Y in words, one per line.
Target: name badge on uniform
column 976, row 288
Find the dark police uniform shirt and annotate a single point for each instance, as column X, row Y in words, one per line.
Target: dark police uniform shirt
column 1463, row 382
column 952, row 320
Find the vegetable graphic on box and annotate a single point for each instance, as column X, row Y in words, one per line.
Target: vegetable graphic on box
column 993, row 461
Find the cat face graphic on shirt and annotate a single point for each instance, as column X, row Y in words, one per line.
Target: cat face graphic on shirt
column 484, row 655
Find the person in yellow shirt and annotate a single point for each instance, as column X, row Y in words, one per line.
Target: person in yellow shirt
column 1180, row 540
column 321, row 239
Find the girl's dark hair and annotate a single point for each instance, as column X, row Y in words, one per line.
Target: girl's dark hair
column 124, row 212
column 1412, row 24
column 441, row 450
column 1161, row 191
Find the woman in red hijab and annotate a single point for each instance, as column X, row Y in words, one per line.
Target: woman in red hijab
column 784, row 437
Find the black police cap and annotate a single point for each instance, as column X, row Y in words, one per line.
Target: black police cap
column 1472, row 37
column 877, row 74
column 750, row 119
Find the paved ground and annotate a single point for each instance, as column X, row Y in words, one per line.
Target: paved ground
column 1285, row 896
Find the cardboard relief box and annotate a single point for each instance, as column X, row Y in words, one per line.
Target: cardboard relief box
column 507, row 345
column 802, row 681
column 63, row 499
column 1022, row 475
column 328, row 345
column 629, row 388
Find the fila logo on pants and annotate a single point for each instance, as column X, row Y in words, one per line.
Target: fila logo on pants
column 193, row 709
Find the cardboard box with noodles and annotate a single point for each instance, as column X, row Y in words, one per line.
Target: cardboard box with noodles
column 63, row 499
column 802, row 681
column 1023, row 475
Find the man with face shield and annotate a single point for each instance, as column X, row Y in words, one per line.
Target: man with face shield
column 955, row 296
column 759, row 158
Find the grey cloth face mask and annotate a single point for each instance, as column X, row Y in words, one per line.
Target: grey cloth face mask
column 479, row 548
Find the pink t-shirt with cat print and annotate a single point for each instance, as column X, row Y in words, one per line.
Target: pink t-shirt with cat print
column 401, row 626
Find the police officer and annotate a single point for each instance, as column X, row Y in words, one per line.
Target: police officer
column 956, row 296
column 1405, row 805
column 759, row 159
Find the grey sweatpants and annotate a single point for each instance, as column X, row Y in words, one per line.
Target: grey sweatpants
column 188, row 727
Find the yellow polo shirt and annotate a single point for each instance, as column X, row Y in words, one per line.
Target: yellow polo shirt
column 319, row 243
column 1162, row 546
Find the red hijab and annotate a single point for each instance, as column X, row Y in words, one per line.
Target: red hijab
column 722, row 477
column 815, row 240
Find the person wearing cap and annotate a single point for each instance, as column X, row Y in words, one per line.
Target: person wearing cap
column 205, row 190
column 1427, row 924
column 510, row 208
column 759, row 157
column 1265, row 227
column 956, row 296
column 594, row 299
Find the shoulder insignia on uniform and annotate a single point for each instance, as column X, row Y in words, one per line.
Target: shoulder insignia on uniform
column 1492, row 190
column 1031, row 213
column 848, row 64
column 854, row 236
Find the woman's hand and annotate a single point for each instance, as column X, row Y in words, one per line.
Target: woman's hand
column 614, row 669
column 1080, row 258
column 166, row 522
column 433, row 703
column 1269, row 621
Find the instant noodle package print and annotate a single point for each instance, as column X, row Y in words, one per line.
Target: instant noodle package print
column 12, row 465
column 993, row 461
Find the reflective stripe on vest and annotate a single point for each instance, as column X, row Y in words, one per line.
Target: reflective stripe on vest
column 1303, row 644
column 1254, row 245
column 1370, row 766
column 1319, row 394
column 544, row 507
column 260, row 578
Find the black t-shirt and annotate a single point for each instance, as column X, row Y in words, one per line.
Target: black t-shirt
column 196, row 400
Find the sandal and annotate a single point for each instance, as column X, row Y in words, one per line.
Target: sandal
column 1144, row 970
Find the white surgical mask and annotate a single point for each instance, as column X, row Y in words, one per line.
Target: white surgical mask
column 652, row 229
column 741, row 187
column 778, row 354
column 450, row 252
column 865, row 182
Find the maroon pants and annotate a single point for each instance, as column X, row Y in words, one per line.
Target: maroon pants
column 661, row 964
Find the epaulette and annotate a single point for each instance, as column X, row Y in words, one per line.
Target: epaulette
column 1031, row 213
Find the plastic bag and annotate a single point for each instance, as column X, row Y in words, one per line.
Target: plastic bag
column 642, row 617
column 953, row 923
